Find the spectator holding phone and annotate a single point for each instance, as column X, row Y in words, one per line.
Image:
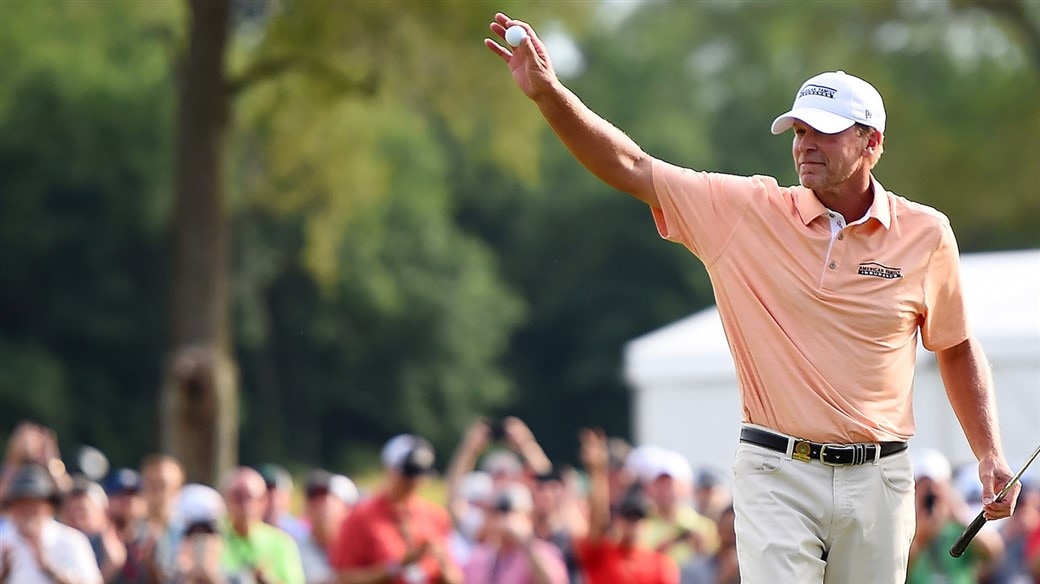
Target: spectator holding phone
column 199, row 549
column 510, row 552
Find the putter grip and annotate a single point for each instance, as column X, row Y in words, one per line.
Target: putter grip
column 969, row 534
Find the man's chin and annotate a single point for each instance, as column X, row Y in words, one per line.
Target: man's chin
column 810, row 181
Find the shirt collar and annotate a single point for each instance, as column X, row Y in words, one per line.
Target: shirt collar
column 809, row 207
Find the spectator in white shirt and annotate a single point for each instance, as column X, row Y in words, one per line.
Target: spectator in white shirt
column 34, row 547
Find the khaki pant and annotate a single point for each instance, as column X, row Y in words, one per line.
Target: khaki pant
column 808, row 523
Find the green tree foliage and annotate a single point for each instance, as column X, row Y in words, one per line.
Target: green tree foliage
column 343, row 120
column 84, row 111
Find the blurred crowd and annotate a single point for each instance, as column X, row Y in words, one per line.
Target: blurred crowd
column 627, row 514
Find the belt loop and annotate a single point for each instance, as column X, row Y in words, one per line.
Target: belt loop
column 877, row 454
column 790, row 447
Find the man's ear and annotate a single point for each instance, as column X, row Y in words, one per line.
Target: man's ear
column 874, row 140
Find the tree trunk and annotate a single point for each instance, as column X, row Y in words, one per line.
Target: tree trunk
column 199, row 418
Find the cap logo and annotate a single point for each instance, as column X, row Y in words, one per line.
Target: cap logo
column 819, row 90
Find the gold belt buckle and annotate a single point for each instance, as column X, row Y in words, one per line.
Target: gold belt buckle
column 801, row 451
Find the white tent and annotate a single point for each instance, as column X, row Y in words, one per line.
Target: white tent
column 685, row 389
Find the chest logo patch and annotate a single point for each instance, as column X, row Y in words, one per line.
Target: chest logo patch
column 879, row 271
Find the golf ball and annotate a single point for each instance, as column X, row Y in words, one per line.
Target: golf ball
column 515, row 35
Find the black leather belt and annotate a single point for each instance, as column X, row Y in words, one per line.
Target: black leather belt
column 832, row 454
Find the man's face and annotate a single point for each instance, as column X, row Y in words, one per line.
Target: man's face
column 246, row 500
column 28, row 515
column 125, row 507
column 547, row 495
column 628, row 527
column 277, row 502
column 664, row 491
column 824, row 161
column 160, row 484
column 512, row 527
column 326, row 510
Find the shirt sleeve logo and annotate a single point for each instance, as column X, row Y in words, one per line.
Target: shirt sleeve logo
column 879, row 271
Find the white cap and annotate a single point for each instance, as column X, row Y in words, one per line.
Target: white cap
column 675, row 465
column 649, row 462
column 344, row 488
column 408, row 454
column 199, row 503
column 502, row 462
column 476, row 487
column 321, row 482
column 642, row 461
column 832, row 102
column 932, row 464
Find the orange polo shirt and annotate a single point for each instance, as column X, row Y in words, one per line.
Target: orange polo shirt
column 822, row 318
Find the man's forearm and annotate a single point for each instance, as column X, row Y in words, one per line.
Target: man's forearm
column 969, row 385
column 603, row 149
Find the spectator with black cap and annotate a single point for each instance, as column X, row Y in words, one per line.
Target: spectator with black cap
column 34, row 546
column 126, row 507
column 329, row 500
column 612, row 551
column 396, row 535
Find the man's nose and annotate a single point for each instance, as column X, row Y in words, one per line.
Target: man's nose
column 806, row 142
